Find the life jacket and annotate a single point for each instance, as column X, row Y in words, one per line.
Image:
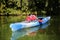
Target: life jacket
column 28, row 18
column 33, row 17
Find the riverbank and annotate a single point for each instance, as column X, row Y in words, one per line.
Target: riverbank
column 10, row 14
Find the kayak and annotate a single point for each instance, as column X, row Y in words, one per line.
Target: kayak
column 23, row 32
column 21, row 25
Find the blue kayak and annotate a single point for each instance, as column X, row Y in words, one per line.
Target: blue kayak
column 21, row 25
column 21, row 33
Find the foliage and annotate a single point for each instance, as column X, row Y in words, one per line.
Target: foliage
column 51, row 7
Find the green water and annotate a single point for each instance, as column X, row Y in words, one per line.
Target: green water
column 52, row 32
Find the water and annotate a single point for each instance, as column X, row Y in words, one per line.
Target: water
column 52, row 32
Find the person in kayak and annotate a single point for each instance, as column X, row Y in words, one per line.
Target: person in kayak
column 28, row 18
column 31, row 17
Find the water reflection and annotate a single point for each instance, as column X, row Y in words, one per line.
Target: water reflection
column 29, row 31
column 52, row 32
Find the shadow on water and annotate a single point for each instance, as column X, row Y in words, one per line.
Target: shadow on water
column 5, row 31
column 54, row 29
column 28, row 31
column 4, row 28
column 55, row 26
